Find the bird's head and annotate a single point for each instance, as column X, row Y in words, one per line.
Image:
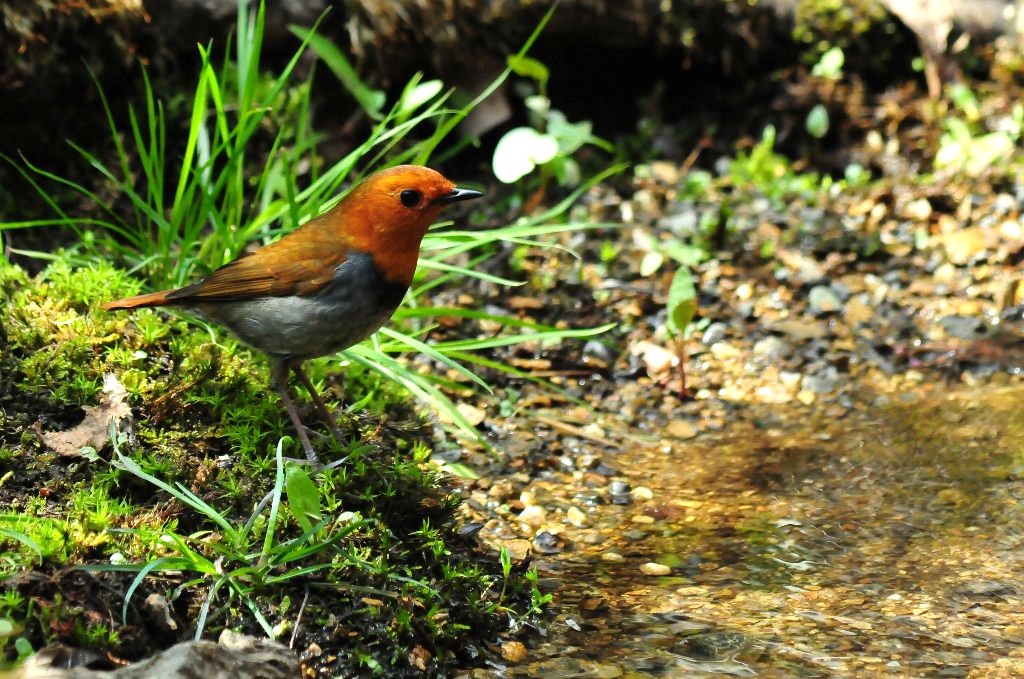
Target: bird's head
column 389, row 212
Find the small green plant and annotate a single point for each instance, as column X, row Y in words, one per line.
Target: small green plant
column 242, row 560
column 830, row 65
column 549, row 142
column 13, row 644
column 681, row 307
column 965, row 145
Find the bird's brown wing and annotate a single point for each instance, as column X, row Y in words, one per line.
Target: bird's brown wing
column 291, row 266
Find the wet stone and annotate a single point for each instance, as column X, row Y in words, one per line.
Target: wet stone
column 620, row 492
column 589, row 498
column 546, row 542
column 533, row 515
column 577, row 517
column 712, row 645
column 652, row 568
column 634, row 535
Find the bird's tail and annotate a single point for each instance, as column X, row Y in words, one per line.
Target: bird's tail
column 139, row 301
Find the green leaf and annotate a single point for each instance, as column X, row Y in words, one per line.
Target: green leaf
column 419, row 95
column 570, row 136
column 528, row 67
column 682, row 301
column 830, row 65
column 460, row 470
column 651, row 262
column 521, row 150
column 303, row 498
column 817, row 122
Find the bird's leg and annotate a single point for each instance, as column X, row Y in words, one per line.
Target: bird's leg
column 319, row 404
column 279, row 379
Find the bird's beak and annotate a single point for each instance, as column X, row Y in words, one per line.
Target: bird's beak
column 457, row 195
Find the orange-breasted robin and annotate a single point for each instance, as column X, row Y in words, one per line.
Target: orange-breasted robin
column 327, row 285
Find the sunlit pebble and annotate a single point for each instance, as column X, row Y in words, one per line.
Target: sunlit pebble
column 577, row 517
column 651, row 568
column 744, row 291
column 503, row 489
column 533, row 516
column 919, row 210
column 612, row 557
column 535, row 496
column 642, row 494
column 513, row 651
column 1012, row 229
column 790, row 380
column 724, row 350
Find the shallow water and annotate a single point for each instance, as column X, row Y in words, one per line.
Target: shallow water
column 880, row 539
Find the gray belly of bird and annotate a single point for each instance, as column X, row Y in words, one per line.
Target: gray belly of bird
column 354, row 305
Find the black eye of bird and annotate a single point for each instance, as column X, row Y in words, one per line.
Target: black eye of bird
column 410, row 198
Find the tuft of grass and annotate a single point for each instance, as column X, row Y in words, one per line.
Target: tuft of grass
column 176, row 222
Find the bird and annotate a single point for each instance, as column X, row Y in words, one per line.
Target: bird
column 327, row 285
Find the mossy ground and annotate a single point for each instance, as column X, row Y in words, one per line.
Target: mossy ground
column 401, row 593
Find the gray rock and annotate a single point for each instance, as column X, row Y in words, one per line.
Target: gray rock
column 824, row 300
column 234, row 655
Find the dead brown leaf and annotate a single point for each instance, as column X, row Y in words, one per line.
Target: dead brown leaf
column 93, row 430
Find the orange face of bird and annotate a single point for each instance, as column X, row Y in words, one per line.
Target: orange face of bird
column 395, row 207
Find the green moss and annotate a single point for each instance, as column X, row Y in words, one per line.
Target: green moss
column 204, row 418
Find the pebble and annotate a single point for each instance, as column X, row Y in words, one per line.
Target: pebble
column 535, row 496
column 657, row 359
column 612, row 557
column 680, row 429
column 620, row 492
column 577, row 517
column 533, row 515
column 652, row 568
column 822, row 299
column 714, row 333
column 683, row 223
column 919, row 210
column 642, row 494
column 547, row 542
column 724, row 350
column 824, row 381
column 513, row 651
column 965, row 327
column 790, row 380
column 641, row 518
column 502, row 490
column 772, row 348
